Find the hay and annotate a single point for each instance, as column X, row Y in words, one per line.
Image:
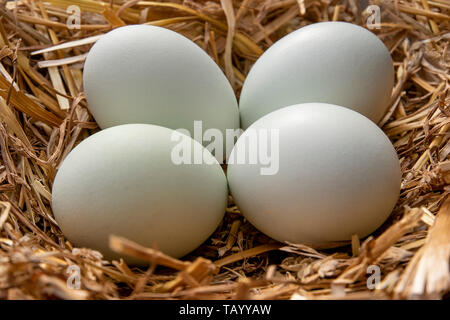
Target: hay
column 43, row 116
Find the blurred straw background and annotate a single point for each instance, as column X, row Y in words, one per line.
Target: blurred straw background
column 43, row 115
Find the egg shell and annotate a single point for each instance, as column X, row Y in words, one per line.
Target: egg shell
column 122, row 181
column 149, row 74
column 330, row 62
column 338, row 175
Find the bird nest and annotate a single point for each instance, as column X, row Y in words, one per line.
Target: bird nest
column 44, row 115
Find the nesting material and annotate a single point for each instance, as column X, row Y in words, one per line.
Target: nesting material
column 43, row 116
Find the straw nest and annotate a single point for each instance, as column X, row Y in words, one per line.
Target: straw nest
column 43, row 116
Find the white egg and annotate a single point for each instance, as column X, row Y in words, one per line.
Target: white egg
column 333, row 173
column 148, row 74
column 123, row 181
column 330, row 62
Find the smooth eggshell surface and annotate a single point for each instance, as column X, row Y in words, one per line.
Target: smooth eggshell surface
column 338, row 175
column 122, row 181
column 331, row 62
column 149, row 74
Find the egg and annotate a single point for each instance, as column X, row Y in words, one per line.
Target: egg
column 127, row 181
column 314, row 173
column 330, row 62
column 149, row 74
